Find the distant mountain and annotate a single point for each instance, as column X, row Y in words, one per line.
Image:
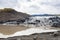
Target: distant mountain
column 11, row 14
column 42, row 15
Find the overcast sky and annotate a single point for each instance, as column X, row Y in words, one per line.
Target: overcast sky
column 33, row 6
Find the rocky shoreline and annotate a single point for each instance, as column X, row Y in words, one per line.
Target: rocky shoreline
column 36, row 36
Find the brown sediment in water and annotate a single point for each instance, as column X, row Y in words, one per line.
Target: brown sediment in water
column 7, row 30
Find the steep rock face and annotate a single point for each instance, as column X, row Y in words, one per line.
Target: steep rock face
column 11, row 14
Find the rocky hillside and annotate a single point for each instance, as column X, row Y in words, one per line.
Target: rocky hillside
column 11, row 14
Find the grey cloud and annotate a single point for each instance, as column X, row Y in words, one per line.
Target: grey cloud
column 52, row 3
column 29, row 0
column 34, row 7
column 8, row 3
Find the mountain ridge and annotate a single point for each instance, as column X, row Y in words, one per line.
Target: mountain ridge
column 45, row 15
